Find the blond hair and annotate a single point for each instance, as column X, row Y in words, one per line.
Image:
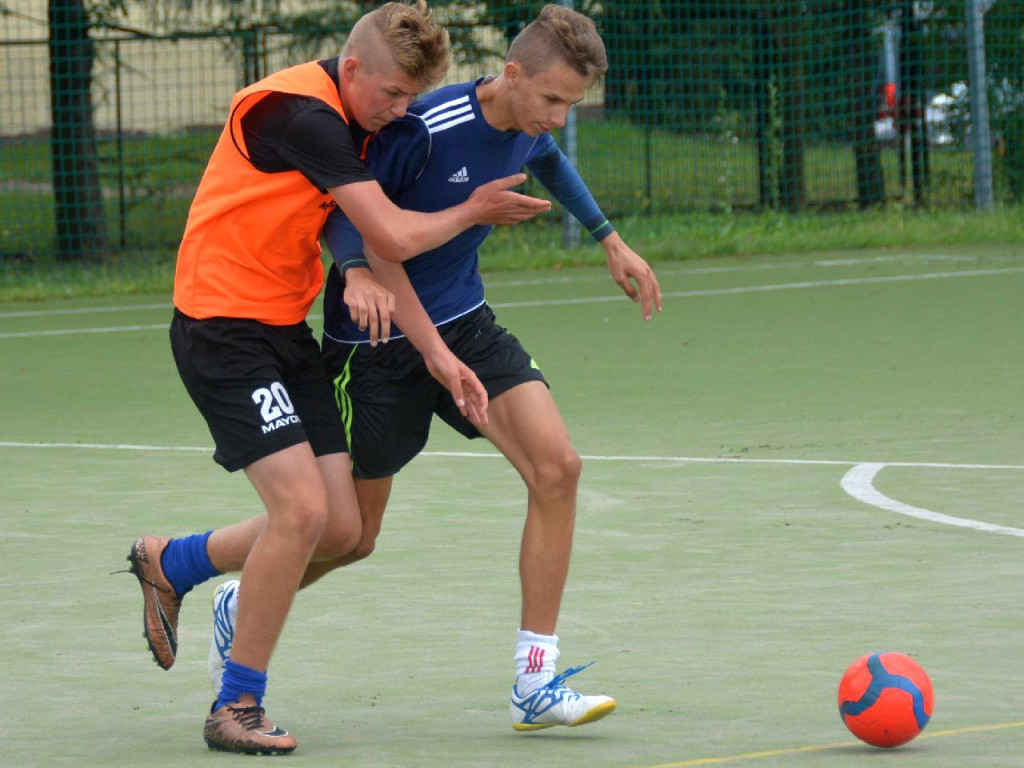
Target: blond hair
column 402, row 34
column 563, row 33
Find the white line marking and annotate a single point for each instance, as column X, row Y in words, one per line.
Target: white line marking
column 84, row 310
column 495, row 455
column 775, row 287
column 77, row 331
column 607, row 298
column 574, row 278
column 671, row 272
column 730, row 269
column 739, row 460
column 859, row 483
column 106, row 446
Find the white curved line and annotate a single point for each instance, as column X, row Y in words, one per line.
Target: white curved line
column 859, row 483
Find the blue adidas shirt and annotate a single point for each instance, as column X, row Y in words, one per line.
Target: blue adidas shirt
column 432, row 159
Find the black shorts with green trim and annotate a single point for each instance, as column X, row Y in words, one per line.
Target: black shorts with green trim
column 387, row 396
column 261, row 388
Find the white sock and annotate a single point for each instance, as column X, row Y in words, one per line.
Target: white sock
column 536, row 656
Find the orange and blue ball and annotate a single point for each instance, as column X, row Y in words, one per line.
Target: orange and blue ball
column 885, row 699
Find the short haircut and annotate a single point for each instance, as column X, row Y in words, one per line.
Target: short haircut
column 402, row 34
column 563, row 33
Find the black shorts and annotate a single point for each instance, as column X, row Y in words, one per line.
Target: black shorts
column 261, row 388
column 387, row 397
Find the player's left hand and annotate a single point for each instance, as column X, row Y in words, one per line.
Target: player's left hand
column 458, row 378
column 369, row 303
column 626, row 267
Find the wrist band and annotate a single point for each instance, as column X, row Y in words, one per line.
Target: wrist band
column 345, row 266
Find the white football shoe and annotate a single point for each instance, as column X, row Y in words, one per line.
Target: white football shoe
column 555, row 704
column 225, row 612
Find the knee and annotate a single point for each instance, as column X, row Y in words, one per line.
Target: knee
column 362, row 550
column 367, row 541
column 558, row 474
column 338, row 541
column 341, row 553
column 303, row 520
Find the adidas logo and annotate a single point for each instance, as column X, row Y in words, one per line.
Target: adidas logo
column 461, row 176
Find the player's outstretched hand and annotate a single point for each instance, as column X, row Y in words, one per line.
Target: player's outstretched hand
column 498, row 204
column 627, row 268
column 369, row 303
column 458, row 378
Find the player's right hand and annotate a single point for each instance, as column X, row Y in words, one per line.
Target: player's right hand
column 466, row 389
column 498, row 204
column 369, row 303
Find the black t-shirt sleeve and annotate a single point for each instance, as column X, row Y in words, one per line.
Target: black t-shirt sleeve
column 285, row 132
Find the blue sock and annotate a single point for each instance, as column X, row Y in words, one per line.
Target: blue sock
column 186, row 563
column 238, row 680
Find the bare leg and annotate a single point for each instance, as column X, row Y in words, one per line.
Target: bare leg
column 229, row 547
column 292, row 488
column 526, row 427
column 373, row 498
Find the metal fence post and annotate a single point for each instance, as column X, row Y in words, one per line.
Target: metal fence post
column 122, row 205
column 570, row 227
column 981, row 142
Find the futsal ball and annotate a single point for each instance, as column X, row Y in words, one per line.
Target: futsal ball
column 885, row 699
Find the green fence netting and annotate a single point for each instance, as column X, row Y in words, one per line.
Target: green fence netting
column 108, row 110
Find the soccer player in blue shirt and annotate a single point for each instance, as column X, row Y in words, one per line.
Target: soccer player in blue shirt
column 449, row 143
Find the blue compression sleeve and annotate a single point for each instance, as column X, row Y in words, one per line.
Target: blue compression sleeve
column 343, row 241
column 186, row 562
column 557, row 174
column 238, row 680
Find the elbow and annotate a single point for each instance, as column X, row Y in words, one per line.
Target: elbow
column 393, row 247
